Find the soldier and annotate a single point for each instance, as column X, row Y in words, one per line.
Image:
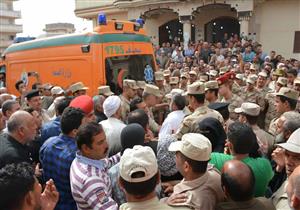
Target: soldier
column 159, row 82
column 129, row 92
column 150, row 97
column 174, row 82
column 270, row 111
column 78, row 89
column 261, row 83
column 297, row 87
column 249, row 113
column 167, row 74
column 286, row 100
column 141, row 85
column 184, row 81
column 213, row 74
column 211, row 91
column 193, row 77
column 225, row 91
column 196, row 98
column 251, row 94
column 105, row 91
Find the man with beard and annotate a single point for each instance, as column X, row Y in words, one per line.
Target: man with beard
column 90, row 182
column 20, row 190
column 293, row 189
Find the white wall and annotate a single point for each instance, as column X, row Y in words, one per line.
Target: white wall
column 275, row 22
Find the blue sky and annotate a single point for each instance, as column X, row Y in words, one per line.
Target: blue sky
column 37, row 13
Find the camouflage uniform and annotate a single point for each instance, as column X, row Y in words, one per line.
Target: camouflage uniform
column 271, row 112
column 236, row 89
column 273, row 126
column 254, row 97
column 154, row 127
column 234, row 102
column 190, row 123
column 167, row 88
column 125, row 107
column 264, row 91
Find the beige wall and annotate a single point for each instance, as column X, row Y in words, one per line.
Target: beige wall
column 275, row 23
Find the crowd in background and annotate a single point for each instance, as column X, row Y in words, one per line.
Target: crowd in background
column 217, row 128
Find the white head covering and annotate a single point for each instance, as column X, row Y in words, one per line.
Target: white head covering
column 111, row 105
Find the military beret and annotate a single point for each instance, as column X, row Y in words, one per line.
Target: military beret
column 32, row 93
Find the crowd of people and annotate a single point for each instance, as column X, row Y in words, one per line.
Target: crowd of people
column 218, row 128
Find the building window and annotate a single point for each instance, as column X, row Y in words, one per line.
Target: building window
column 297, row 42
column 12, row 37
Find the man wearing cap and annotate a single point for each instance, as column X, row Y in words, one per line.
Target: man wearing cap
column 105, row 91
column 261, row 83
column 138, row 178
column 201, row 183
column 167, row 74
column 174, row 82
column 150, row 95
column 56, row 92
column 193, row 77
column 33, row 99
column 225, row 91
column 286, row 100
column 288, row 162
column 90, row 183
column 47, row 98
column 85, row 103
column 213, row 74
column 159, row 82
column 297, row 87
column 196, row 98
column 270, row 99
column 141, row 85
column 113, row 126
column 211, row 91
column 78, row 89
column 184, row 81
column 251, row 94
column 129, row 92
column 249, row 113
column 237, row 84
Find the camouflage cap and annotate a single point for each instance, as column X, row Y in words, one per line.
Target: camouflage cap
column 250, row 80
column 167, row 73
column 213, row 73
column 185, row 75
column 130, row 83
column 279, row 72
column 159, row 76
column 239, row 76
column 141, row 84
column 213, row 84
column 297, row 81
column 289, row 93
column 282, row 80
column 192, row 73
column 263, row 74
column 152, row 89
column 77, row 86
column 203, row 78
column 223, row 70
column 174, row 80
column 105, row 90
column 253, row 67
column 196, row 88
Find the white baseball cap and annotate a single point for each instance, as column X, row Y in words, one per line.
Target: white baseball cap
column 138, row 159
column 194, row 146
column 293, row 143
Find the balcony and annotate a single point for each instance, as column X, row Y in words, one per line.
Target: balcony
column 11, row 28
column 10, row 14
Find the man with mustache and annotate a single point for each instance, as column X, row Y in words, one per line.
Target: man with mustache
column 90, row 183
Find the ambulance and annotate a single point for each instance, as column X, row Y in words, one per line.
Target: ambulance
column 113, row 51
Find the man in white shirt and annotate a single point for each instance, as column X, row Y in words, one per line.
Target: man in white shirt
column 175, row 118
column 113, row 126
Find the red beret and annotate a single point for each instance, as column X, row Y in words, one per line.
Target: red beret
column 83, row 102
column 223, row 79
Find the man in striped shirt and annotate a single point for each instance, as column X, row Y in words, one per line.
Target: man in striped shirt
column 90, row 182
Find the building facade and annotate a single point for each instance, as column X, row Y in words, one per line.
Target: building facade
column 8, row 28
column 54, row 29
column 273, row 23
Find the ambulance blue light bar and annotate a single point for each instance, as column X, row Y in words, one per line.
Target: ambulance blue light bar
column 102, row 19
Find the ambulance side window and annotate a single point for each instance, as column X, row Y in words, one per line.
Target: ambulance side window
column 2, row 76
